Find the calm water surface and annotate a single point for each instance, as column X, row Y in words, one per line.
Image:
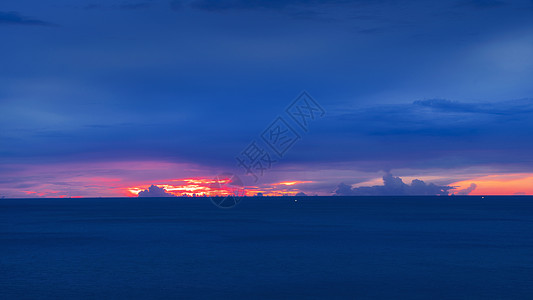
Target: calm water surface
column 268, row 248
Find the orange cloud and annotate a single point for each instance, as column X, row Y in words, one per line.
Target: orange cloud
column 506, row 184
column 221, row 187
column 195, row 187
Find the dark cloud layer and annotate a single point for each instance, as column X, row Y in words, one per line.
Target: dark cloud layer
column 425, row 134
column 430, row 133
column 394, row 186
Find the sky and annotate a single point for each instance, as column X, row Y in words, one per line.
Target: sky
column 107, row 98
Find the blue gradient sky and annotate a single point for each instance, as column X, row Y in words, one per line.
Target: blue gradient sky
column 98, row 96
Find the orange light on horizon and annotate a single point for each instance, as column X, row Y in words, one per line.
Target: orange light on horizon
column 219, row 187
column 194, row 187
column 506, row 184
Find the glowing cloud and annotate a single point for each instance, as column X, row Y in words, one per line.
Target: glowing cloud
column 193, row 187
column 288, row 183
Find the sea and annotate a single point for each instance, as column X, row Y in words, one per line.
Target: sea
column 461, row 247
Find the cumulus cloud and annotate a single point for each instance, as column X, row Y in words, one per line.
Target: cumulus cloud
column 394, row 186
column 155, row 191
column 466, row 191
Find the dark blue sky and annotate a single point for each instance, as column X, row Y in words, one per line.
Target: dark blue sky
column 435, row 90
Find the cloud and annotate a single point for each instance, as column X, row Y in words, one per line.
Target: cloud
column 394, row 186
column 432, row 133
column 14, row 18
column 512, row 107
column 426, row 134
column 467, row 191
column 301, row 194
column 155, row 191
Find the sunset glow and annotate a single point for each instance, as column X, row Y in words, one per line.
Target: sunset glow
column 291, row 182
column 507, row 184
column 82, row 186
column 189, row 187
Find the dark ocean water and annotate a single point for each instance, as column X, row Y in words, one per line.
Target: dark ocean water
column 269, row 248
